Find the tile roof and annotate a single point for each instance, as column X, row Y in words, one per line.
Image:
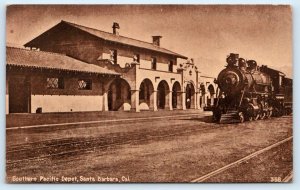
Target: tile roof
column 41, row 59
column 120, row 39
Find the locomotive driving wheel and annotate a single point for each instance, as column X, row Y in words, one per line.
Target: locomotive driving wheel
column 269, row 114
column 251, row 114
column 241, row 117
column 262, row 115
column 248, row 117
column 256, row 116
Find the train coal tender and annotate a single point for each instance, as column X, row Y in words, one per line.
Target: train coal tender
column 249, row 92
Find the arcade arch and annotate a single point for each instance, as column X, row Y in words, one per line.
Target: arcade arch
column 210, row 98
column 163, row 91
column 190, row 96
column 146, row 95
column 119, row 95
column 176, row 96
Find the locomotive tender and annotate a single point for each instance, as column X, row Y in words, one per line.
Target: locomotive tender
column 248, row 92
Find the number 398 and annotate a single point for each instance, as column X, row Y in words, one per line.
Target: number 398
column 275, row 179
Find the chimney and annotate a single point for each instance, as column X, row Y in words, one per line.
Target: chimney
column 156, row 40
column 115, row 27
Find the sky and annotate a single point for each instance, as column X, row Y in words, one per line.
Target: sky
column 206, row 33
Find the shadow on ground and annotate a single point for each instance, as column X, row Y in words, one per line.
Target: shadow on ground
column 205, row 119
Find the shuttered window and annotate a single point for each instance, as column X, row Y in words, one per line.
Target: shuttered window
column 85, row 84
column 55, row 83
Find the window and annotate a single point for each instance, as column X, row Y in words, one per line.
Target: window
column 171, row 66
column 153, row 63
column 85, row 84
column 136, row 58
column 280, row 80
column 114, row 56
column 55, row 83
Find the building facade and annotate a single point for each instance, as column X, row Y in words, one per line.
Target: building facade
column 112, row 72
column 38, row 81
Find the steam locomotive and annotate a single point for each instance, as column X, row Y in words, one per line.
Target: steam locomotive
column 248, row 92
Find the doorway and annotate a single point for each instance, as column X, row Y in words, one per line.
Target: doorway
column 19, row 94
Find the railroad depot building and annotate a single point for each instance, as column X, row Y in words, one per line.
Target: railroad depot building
column 76, row 68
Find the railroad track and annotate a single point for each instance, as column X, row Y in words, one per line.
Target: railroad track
column 248, row 157
column 12, row 148
column 49, row 149
column 95, row 143
column 64, row 141
column 67, row 141
column 288, row 178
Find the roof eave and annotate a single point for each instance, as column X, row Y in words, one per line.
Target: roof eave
column 173, row 54
column 183, row 57
column 64, row 70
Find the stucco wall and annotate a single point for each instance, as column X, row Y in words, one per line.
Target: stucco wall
column 145, row 64
column 68, row 99
column 162, row 67
column 129, row 52
column 65, row 103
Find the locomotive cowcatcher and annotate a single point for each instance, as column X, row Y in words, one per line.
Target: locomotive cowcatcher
column 248, row 92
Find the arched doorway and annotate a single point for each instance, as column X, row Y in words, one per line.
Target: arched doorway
column 146, row 95
column 210, row 98
column 119, row 95
column 190, row 96
column 163, row 95
column 176, row 96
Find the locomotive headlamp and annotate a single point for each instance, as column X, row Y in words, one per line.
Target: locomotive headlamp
column 231, row 79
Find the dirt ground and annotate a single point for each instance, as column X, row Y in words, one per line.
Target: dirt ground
column 155, row 150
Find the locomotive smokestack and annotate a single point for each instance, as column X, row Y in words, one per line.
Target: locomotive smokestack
column 232, row 59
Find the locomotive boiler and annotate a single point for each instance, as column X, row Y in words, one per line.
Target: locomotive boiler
column 248, row 92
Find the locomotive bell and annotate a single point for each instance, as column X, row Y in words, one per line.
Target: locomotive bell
column 242, row 64
column 252, row 64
